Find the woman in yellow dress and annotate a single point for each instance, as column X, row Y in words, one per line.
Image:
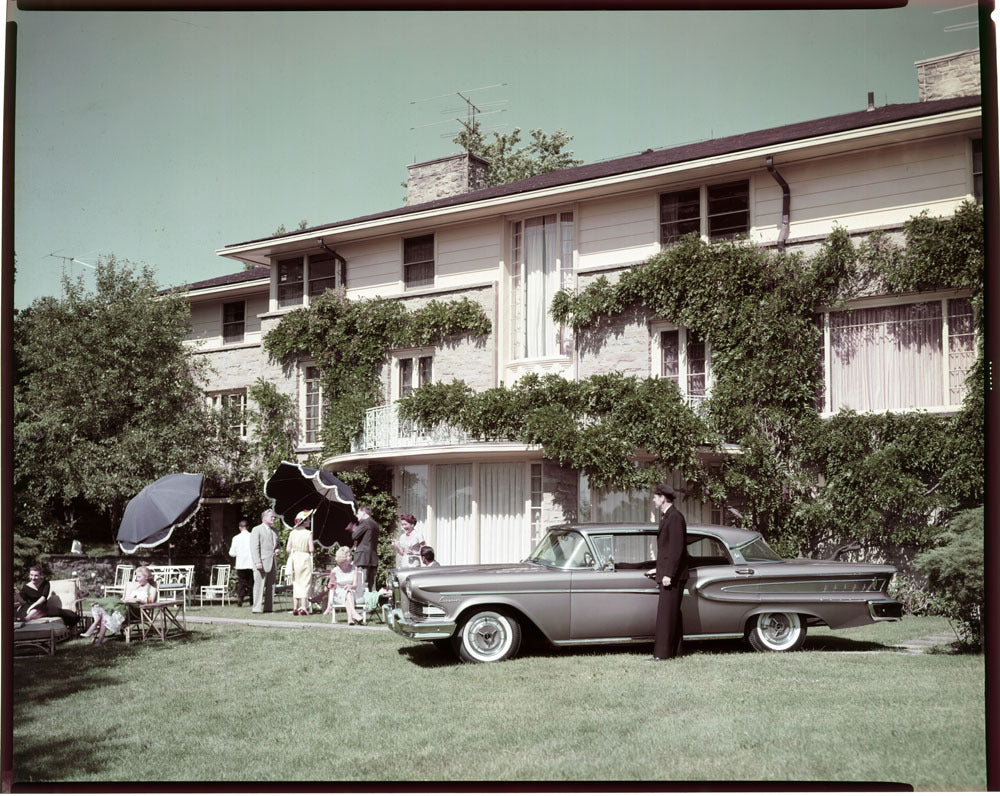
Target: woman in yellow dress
column 300, row 548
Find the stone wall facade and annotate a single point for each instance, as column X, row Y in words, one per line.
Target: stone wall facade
column 443, row 177
column 955, row 75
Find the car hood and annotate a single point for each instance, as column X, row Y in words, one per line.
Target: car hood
column 471, row 570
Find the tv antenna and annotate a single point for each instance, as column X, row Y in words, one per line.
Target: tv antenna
column 472, row 109
column 69, row 260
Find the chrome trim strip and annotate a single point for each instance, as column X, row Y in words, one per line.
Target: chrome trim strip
column 496, row 592
column 637, row 639
column 760, row 585
column 893, row 603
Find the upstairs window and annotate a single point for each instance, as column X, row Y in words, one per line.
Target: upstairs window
column 977, row 169
column 290, row 274
column 312, row 404
column 327, row 271
column 414, row 371
column 233, row 407
column 418, row 261
column 727, row 212
column 898, row 356
column 684, row 360
column 233, row 321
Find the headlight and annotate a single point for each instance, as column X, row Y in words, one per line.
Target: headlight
column 409, row 589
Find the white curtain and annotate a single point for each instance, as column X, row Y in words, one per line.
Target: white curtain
column 453, row 514
column 413, row 495
column 541, row 283
column 614, row 505
column 503, row 527
column 886, row 357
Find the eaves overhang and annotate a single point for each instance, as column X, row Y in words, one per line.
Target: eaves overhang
column 260, row 252
column 434, row 454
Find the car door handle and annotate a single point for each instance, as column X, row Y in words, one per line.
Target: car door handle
column 746, row 571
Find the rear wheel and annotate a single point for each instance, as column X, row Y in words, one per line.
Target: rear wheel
column 487, row 636
column 777, row 632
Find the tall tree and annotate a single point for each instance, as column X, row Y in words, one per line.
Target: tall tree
column 106, row 400
column 511, row 161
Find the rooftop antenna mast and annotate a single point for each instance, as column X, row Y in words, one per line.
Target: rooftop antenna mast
column 70, row 260
column 472, row 110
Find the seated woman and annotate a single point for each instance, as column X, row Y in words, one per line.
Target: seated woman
column 109, row 612
column 32, row 601
column 342, row 584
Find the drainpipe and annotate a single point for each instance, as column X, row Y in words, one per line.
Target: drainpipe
column 785, row 203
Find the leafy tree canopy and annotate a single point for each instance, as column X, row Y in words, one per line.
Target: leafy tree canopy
column 106, row 400
column 510, row 160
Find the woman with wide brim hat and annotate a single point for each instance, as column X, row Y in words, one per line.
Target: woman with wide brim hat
column 300, row 547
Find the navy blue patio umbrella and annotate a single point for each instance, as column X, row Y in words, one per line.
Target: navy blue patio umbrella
column 151, row 516
column 294, row 487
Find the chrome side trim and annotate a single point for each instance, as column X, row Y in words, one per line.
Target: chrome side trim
column 638, row 639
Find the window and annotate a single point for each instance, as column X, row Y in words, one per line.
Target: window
column 977, row 169
column 898, row 356
column 727, row 206
column 541, row 264
column 327, row 271
column 680, row 213
column 414, row 370
column 418, row 261
column 312, row 392
column 535, row 495
column 306, row 277
column 683, row 357
column 290, row 273
column 233, row 321
column 233, row 408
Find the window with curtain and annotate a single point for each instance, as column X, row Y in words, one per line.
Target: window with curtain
column 503, row 532
column 900, row 356
column 542, row 263
column 453, row 521
column 233, row 321
column 413, row 494
column 418, row 261
column 290, row 275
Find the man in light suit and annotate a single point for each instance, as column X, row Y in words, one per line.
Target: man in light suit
column 365, row 538
column 264, row 544
column 671, row 574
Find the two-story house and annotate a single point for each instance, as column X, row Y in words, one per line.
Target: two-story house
column 511, row 247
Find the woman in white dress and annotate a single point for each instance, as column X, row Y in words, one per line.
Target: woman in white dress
column 409, row 543
column 342, row 584
column 300, row 547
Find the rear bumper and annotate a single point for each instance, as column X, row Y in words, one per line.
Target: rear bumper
column 885, row 610
column 419, row 631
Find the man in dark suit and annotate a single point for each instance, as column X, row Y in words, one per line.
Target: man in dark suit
column 671, row 574
column 365, row 538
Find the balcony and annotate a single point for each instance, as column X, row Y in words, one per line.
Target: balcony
column 384, row 428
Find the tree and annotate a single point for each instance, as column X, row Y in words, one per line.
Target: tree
column 106, row 400
column 509, row 161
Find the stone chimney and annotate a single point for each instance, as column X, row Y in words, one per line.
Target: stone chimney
column 955, row 75
column 447, row 176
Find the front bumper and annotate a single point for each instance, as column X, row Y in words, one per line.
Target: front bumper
column 419, row 631
column 885, row 610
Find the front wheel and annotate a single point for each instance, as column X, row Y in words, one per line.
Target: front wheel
column 487, row 637
column 777, row 632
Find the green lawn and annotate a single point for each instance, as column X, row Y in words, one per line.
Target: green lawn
column 238, row 703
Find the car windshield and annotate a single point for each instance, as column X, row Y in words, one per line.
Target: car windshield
column 757, row 551
column 564, row 549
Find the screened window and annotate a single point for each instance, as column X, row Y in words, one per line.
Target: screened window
column 899, row 356
column 290, row 273
column 680, row 214
column 326, row 272
column 233, row 321
column 728, row 209
column 418, row 261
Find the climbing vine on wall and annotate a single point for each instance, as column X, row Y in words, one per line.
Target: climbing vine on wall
column 349, row 342
column 803, row 482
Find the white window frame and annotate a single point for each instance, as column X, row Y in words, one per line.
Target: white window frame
column 217, row 400
column 340, row 278
column 304, row 381
column 703, row 208
column 656, row 359
column 515, row 275
column 888, row 301
column 414, row 355
column 433, row 261
column 976, row 189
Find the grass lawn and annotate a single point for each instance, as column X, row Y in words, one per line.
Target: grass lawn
column 239, row 703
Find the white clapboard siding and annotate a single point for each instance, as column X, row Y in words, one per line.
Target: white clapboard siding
column 470, row 252
column 616, row 230
column 372, row 266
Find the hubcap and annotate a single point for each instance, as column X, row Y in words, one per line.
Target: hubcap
column 486, row 636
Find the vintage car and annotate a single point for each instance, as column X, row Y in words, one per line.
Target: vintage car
column 586, row 584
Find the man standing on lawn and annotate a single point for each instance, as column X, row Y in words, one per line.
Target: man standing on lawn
column 671, row 574
column 264, row 544
column 365, row 537
column 240, row 550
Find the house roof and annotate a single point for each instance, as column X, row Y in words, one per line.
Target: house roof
column 653, row 158
column 247, row 275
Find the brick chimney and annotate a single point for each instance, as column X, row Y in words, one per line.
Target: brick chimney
column 447, row 176
column 955, row 75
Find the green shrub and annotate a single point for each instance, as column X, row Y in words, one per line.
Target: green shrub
column 954, row 570
column 912, row 594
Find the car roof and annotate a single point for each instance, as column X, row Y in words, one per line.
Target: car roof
column 733, row 537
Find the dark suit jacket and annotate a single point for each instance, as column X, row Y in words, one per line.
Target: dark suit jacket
column 365, row 538
column 671, row 551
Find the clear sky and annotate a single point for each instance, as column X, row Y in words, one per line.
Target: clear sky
column 163, row 136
